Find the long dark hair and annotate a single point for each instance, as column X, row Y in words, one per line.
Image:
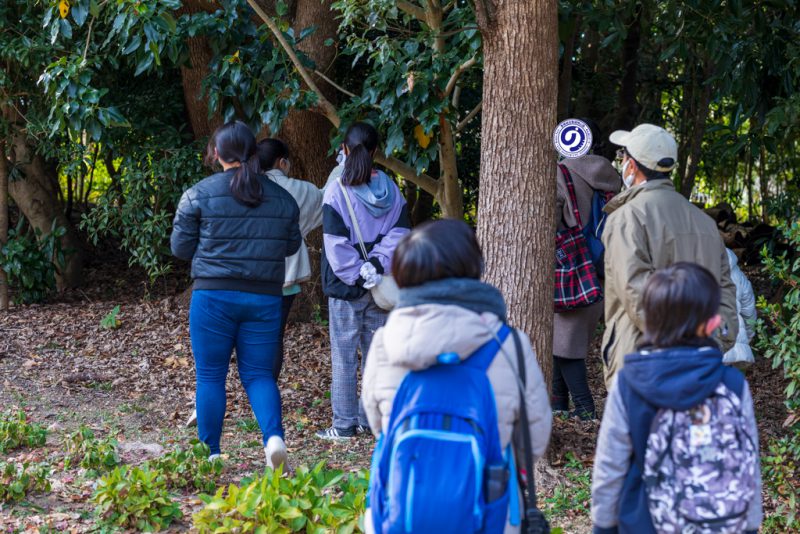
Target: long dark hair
column 235, row 142
column 435, row 250
column 361, row 140
column 270, row 151
column 676, row 300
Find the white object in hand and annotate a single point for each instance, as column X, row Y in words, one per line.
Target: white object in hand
column 370, row 275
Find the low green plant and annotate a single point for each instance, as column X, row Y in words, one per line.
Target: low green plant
column 575, row 494
column 134, row 497
column 31, row 262
column 313, row 501
column 189, row 468
column 17, row 480
column 779, row 339
column 110, row 321
column 15, row 431
column 85, row 450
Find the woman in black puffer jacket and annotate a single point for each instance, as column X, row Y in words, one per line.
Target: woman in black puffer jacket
column 237, row 228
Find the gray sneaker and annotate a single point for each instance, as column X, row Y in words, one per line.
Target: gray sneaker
column 334, row 433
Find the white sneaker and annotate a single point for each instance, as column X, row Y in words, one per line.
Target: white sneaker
column 213, row 457
column 275, row 452
column 192, row 421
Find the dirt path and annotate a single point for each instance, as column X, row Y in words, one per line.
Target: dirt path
column 137, row 382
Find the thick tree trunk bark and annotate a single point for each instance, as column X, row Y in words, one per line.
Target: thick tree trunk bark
column 517, row 185
column 698, row 131
column 36, row 195
column 3, row 222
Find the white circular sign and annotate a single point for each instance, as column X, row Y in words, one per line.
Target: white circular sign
column 572, row 138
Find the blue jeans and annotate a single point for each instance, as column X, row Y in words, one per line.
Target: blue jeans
column 218, row 322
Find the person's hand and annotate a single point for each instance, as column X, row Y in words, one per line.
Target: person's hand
column 370, row 275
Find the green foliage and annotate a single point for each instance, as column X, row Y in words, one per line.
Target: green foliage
column 779, row 339
column 313, row 501
column 573, row 495
column 84, row 449
column 32, row 261
column 191, row 468
column 16, row 481
column 139, row 212
column 110, row 321
column 133, row 497
column 16, row 431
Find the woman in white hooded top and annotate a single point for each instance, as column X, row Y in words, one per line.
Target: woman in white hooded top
column 444, row 307
column 273, row 156
column 746, row 309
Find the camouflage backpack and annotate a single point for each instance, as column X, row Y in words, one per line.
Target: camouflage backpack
column 700, row 467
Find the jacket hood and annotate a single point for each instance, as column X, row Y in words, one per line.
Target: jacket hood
column 677, row 378
column 377, row 195
column 596, row 171
column 414, row 336
column 629, row 194
column 467, row 293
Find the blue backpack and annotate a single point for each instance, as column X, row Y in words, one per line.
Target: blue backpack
column 593, row 230
column 439, row 468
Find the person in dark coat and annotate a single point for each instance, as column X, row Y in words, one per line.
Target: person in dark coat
column 237, row 227
column 574, row 330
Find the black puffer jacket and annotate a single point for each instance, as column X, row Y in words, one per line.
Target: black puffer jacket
column 233, row 246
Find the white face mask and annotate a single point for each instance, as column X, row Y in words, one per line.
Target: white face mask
column 627, row 180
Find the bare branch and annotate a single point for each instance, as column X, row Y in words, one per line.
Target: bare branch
column 412, row 9
column 457, row 74
column 456, row 96
column 426, row 183
column 88, row 38
column 327, row 108
column 334, row 84
column 471, row 115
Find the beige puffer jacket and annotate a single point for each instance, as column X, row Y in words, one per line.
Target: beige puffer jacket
column 412, row 339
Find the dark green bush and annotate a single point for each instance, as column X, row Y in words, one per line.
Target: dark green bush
column 135, row 498
column 31, row 262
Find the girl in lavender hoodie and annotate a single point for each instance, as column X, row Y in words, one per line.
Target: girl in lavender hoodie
column 354, row 317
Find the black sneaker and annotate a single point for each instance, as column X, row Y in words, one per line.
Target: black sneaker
column 337, row 433
column 363, row 429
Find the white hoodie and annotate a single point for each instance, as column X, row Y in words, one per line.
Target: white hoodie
column 746, row 308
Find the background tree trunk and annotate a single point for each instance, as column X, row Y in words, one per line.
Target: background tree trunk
column 308, row 135
column 517, row 184
column 3, row 222
column 36, row 195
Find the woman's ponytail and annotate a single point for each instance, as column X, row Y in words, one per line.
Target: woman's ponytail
column 235, row 142
column 361, row 141
column 245, row 186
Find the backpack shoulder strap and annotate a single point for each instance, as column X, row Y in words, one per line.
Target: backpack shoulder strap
column 483, row 357
column 530, row 494
column 571, row 191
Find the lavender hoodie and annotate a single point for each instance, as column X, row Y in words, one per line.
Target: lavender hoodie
column 383, row 219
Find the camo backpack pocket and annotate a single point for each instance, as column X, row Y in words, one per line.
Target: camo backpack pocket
column 700, row 467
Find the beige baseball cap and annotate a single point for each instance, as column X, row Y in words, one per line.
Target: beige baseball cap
column 650, row 145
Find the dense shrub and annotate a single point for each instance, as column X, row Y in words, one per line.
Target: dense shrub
column 135, row 498
column 31, row 262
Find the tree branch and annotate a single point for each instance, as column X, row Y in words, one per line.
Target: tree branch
column 334, row 84
column 471, row 115
column 327, row 108
column 88, row 38
column 412, row 9
column 457, row 74
column 427, row 183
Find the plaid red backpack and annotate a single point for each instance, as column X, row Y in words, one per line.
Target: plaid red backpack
column 577, row 283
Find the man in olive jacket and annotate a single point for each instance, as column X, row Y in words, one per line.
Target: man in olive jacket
column 650, row 226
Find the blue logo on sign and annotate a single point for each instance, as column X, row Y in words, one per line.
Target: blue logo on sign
column 572, row 138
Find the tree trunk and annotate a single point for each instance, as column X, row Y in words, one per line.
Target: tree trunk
column 517, row 184
column 36, row 195
column 3, row 222
column 565, row 77
column 192, row 76
column 701, row 109
column 626, row 103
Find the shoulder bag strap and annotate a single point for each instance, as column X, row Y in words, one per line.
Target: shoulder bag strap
column 571, row 191
column 530, row 495
column 353, row 220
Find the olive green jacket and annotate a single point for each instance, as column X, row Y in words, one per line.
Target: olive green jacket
column 651, row 226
